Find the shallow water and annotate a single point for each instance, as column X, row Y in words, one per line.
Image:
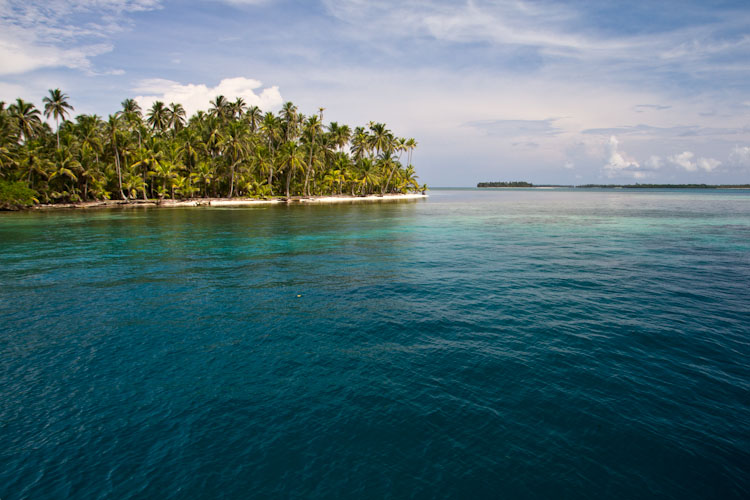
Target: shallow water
column 480, row 344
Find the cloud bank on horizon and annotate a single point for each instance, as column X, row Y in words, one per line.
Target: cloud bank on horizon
column 541, row 90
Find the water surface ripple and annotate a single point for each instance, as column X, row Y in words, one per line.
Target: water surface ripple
column 481, row 344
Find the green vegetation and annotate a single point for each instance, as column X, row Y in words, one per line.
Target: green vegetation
column 519, row 184
column 16, row 195
column 514, row 184
column 230, row 150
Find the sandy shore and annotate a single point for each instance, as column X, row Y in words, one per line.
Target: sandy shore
column 232, row 202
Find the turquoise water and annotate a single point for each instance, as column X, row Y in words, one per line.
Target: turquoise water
column 480, row 344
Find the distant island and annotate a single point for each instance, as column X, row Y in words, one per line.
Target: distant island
column 232, row 150
column 518, row 184
column 523, row 184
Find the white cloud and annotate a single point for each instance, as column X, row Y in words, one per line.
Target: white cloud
column 38, row 34
column 553, row 28
column 20, row 54
column 708, row 164
column 685, row 160
column 194, row 97
column 619, row 163
column 654, row 162
column 740, row 156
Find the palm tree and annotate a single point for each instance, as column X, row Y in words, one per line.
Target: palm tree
column 340, row 134
column 190, row 146
column 271, row 128
column 253, row 116
column 164, row 171
column 290, row 119
column 292, row 157
column 410, row 145
column 32, row 159
column 312, row 128
column 158, row 117
column 203, row 174
column 25, row 117
column 113, row 130
column 381, row 137
column 150, row 159
column 389, row 163
column 220, row 108
column 367, row 174
column 236, row 147
column 57, row 106
column 175, row 117
column 230, row 149
column 237, row 108
column 360, row 143
column 131, row 111
column 66, row 168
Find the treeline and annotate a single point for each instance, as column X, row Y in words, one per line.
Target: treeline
column 230, row 150
column 513, row 184
column 519, row 184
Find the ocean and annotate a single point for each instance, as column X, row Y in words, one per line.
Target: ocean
column 478, row 344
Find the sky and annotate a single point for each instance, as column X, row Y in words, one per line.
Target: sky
column 562, row 92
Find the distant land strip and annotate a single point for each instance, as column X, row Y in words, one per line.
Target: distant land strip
column 523, row 184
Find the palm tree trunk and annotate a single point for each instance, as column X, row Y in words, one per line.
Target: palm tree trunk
column 288, row 181
column 119, row 171
column 306, row 190
column 385, row 188
column 145, row 185
column 231, row 180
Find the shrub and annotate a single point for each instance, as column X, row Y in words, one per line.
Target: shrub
column 16, row 195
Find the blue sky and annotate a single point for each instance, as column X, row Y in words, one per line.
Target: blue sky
column 545, row 91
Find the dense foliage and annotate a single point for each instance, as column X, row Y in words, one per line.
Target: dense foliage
column 230, row 150
column 15, row 195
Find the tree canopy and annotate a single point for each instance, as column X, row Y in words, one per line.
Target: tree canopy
column 229, row 150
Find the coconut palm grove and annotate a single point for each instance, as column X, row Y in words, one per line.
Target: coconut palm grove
column 231, row 150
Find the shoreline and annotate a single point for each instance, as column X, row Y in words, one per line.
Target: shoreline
column 229, row 202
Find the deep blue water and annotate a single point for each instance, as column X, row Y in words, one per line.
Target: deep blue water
column 480, row 344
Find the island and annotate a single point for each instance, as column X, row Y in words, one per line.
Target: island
column 518, row 184
column 231, row 151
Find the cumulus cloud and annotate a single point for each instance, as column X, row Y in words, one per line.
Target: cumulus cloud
column 740, row 156
column 708, row 164
column 194, row 97
column 620, row 164
column 685, row 161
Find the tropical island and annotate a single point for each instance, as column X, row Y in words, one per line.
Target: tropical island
column 230, row 151
column 515, row 184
